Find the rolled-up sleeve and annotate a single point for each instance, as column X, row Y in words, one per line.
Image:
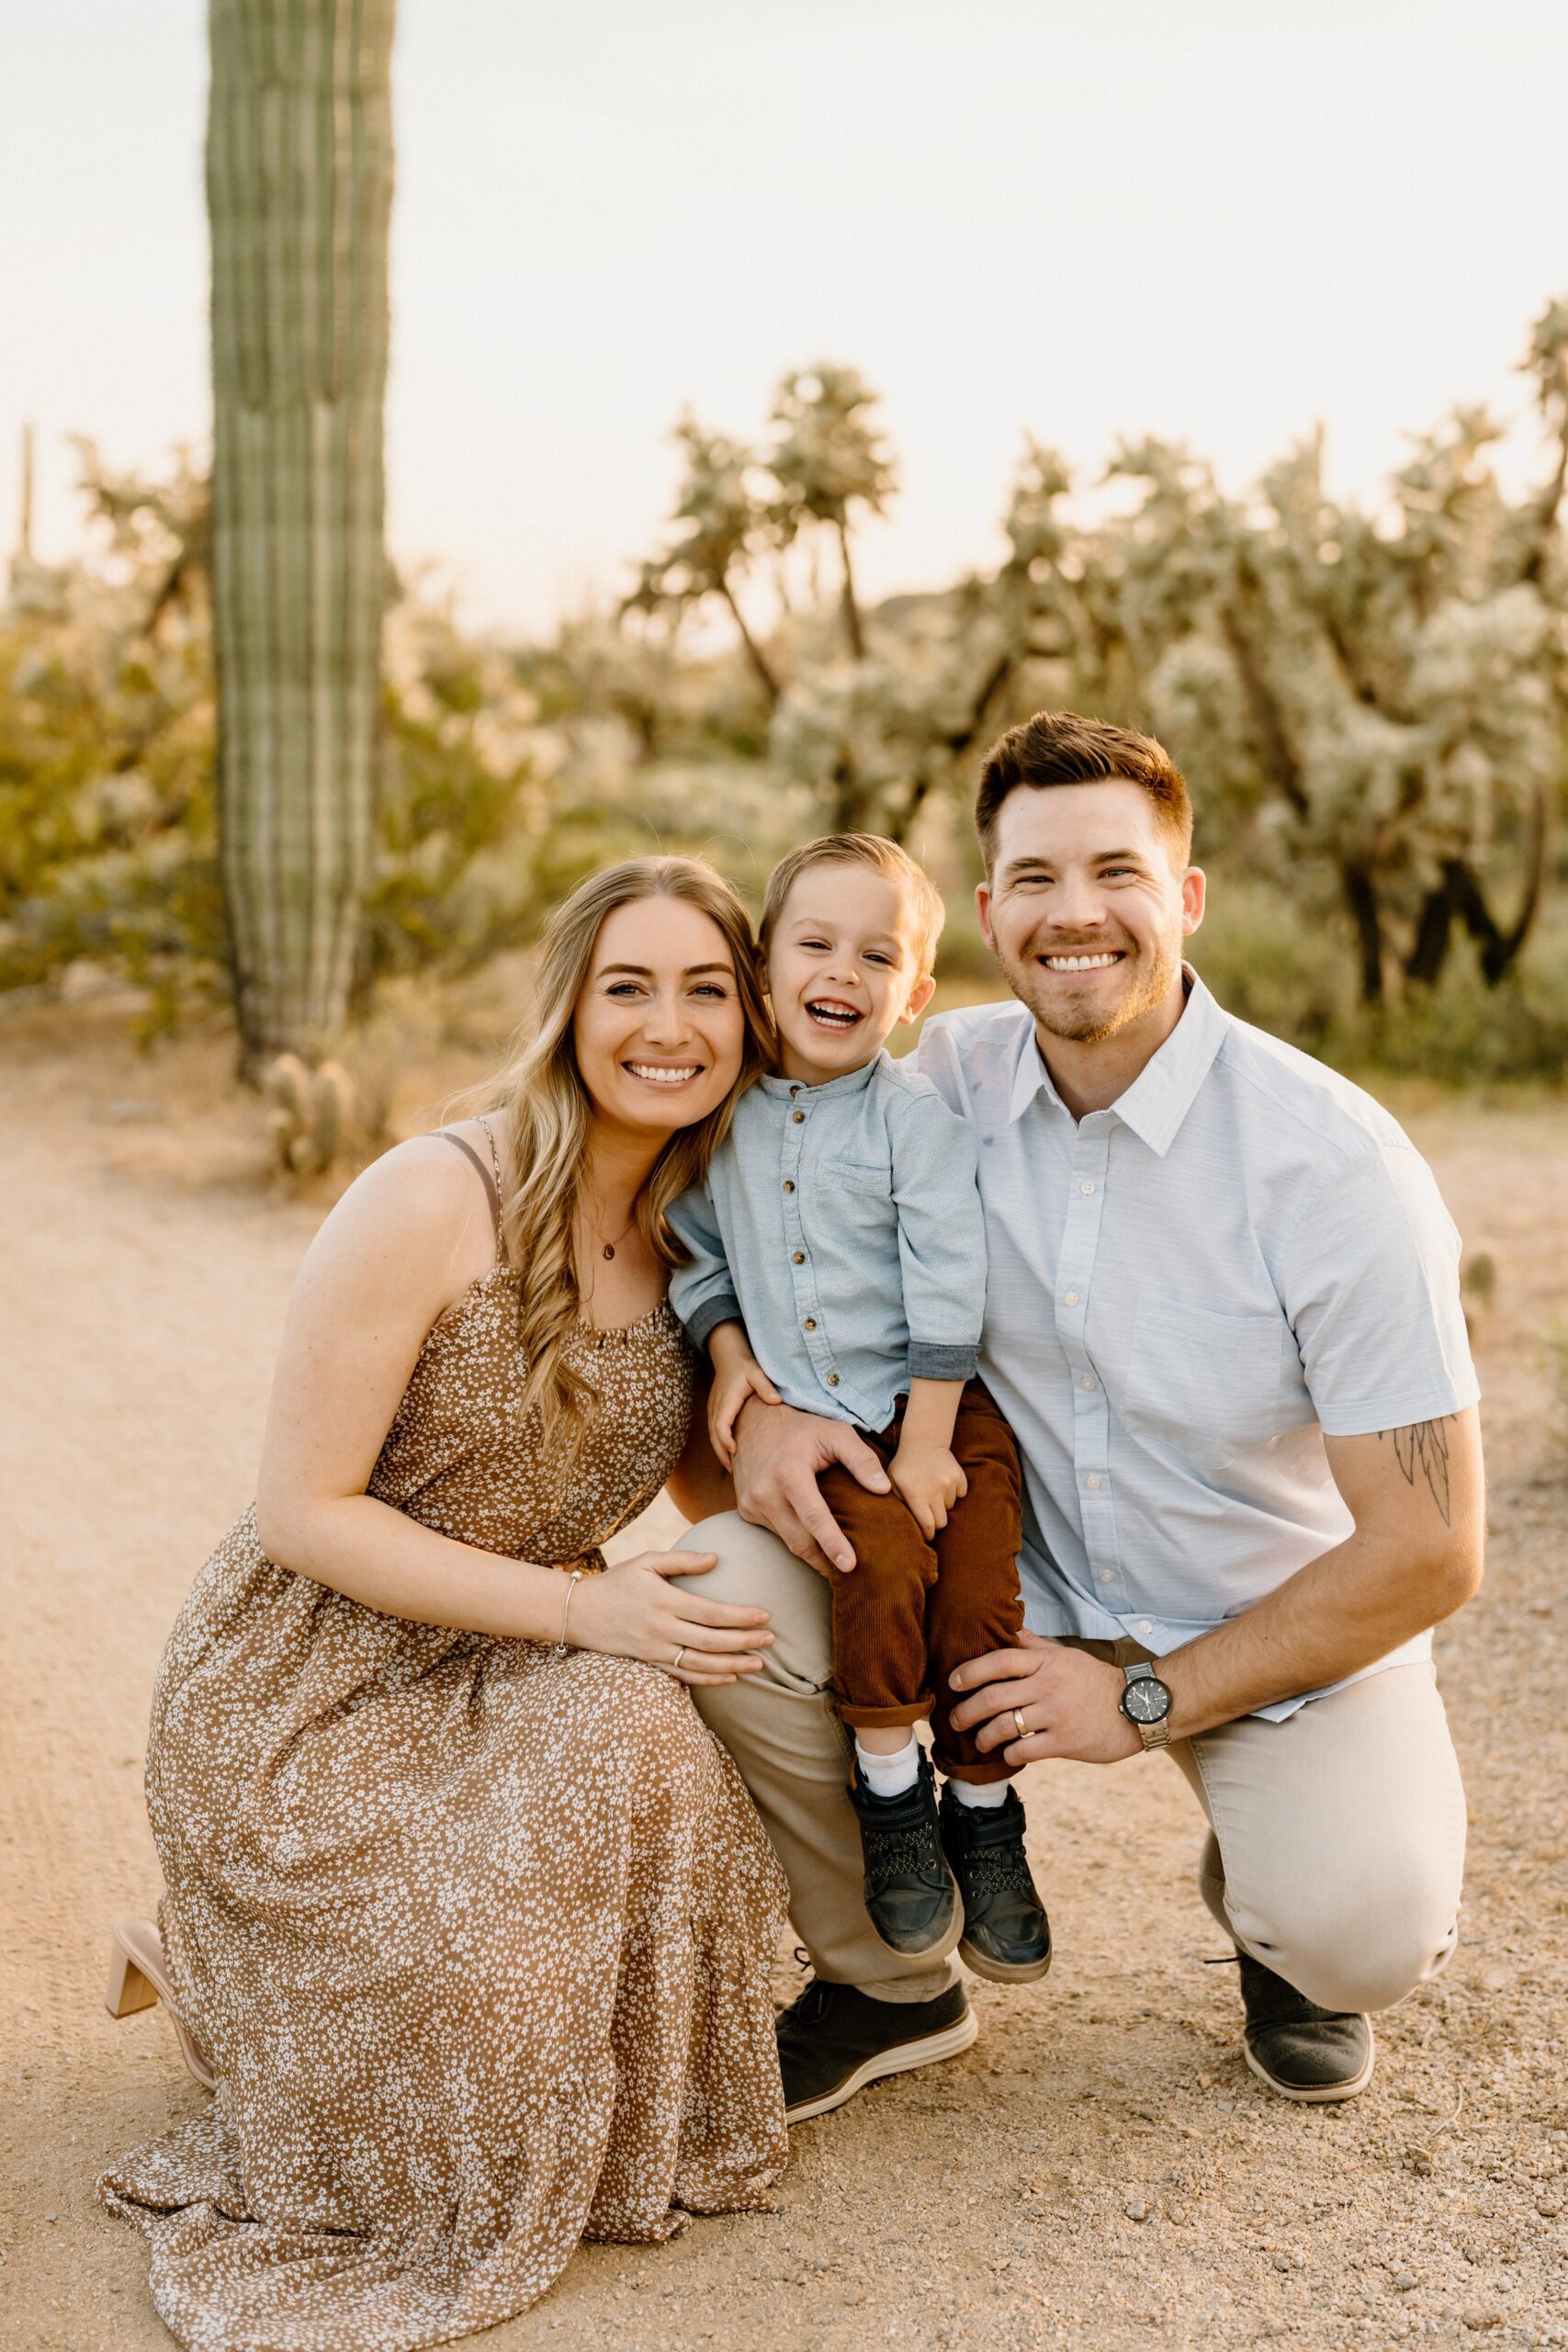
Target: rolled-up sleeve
column 941, row 1236
column 1370, row 1286
column 701, row 1292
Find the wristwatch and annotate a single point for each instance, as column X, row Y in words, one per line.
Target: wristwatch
column 1145, row 1702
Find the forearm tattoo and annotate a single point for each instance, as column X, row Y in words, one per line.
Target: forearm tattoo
column 1422, row 1452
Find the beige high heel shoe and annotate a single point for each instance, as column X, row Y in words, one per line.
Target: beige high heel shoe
column 138, row 1978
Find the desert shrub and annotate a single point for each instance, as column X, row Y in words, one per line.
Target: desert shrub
column 1270, row 963
column 107, row 725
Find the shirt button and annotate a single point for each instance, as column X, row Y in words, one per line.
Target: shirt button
column 1092, row 1482
column 1072, row 1298
column 1106, row 1576
column 810, row 1324
column 1144, row 1626
column 1086, row 1184
column 797, row 1117
column 1088, row 1380
column 792, row 1092
column 832, row 1380
column 797, row 1258
column 788, row 1185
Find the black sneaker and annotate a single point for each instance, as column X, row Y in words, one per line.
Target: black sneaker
column 1006, row 1936
column 835, row 2039
column 909, row 1891
column 1299, row 2049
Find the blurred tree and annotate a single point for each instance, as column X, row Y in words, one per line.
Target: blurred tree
column 300, row 185
column 867, row 712
column 1380, row 698
column 109, row 855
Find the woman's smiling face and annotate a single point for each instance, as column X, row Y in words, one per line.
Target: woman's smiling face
column 658, row 1028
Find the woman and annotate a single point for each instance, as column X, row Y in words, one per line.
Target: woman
column 468, row 1915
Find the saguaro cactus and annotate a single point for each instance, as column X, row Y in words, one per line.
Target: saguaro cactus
column 299, row 186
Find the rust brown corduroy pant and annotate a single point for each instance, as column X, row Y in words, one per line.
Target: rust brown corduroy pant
column 910, row 1611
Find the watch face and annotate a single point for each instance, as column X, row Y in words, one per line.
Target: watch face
column 1146, row 1701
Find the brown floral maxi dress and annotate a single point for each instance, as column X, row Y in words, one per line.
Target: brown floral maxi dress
column 477, row 1938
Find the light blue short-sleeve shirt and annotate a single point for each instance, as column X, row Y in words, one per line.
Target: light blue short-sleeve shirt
column 1186, row 1292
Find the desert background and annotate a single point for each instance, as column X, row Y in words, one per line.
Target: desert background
column 443, row 450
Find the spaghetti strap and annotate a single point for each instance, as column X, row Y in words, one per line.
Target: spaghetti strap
column 491, row 1183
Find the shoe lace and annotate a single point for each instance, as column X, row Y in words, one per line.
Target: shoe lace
column 810, row 2006
column 994, row 1857
column 999, row 1869
column 901, row 1853
column 1269, row 2000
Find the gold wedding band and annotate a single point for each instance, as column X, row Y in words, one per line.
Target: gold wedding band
column 675, row 1661
column 1018, row 1718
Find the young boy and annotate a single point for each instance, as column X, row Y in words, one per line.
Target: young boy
column 838, row 1264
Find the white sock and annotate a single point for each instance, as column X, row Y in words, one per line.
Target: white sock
column 889, row 1775
column 981, row 1793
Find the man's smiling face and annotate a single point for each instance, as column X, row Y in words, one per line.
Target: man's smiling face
column 1087, row 906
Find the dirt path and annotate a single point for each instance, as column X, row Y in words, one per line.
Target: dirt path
column 1099, row 2171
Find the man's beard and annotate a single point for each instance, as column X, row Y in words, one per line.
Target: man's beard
column 1147, row 976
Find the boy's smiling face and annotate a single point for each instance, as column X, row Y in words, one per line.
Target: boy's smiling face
column 844, row 967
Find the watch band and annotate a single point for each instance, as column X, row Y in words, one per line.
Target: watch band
column 1152, row 1734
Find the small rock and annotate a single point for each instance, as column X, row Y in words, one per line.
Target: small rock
column 1404, row 2280
column 1137, row 2210
column 1478, row 2317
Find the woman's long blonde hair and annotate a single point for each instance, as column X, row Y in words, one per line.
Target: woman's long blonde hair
column 544, row 1110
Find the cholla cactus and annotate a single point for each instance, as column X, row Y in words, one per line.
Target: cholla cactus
column 1391, row 687
column 299, row 183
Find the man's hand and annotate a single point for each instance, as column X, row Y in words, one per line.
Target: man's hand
column 778, row 1454
column 930, row 1481
column 1070, row 1705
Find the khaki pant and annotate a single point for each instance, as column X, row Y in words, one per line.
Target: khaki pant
column 1336, row 1843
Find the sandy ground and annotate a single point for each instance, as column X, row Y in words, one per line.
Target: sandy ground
column 1100, row 2170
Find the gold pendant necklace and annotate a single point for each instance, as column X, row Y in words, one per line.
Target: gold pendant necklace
column 609, row 1248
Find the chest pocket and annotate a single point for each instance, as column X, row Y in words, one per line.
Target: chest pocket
column 854, row 1201
column 1205, row 1384
column 858, row 1176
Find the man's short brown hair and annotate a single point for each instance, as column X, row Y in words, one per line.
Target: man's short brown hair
column 1060, row 747
column 884, row 857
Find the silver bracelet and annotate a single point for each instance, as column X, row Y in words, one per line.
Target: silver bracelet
column 573, row 1580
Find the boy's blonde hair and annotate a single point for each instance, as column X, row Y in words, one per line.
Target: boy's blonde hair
column 884, row 857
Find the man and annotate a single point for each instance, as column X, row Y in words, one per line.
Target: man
column 1222, row 1319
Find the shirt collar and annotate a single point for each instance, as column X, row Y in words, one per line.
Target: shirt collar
column 854, row 1081
column 1163, row 1092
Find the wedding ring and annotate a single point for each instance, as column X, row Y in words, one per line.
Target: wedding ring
column 1018, row 1718
column 675, row 1661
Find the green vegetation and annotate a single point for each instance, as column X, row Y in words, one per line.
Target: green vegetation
column 1371, row 707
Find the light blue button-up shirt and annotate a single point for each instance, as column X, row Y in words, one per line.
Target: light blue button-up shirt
column 1186, row 1292
column 841, row 1224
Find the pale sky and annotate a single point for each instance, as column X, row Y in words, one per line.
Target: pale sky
column 1213, row 220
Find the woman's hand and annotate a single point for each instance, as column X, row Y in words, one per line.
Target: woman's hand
column 632, row 1611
